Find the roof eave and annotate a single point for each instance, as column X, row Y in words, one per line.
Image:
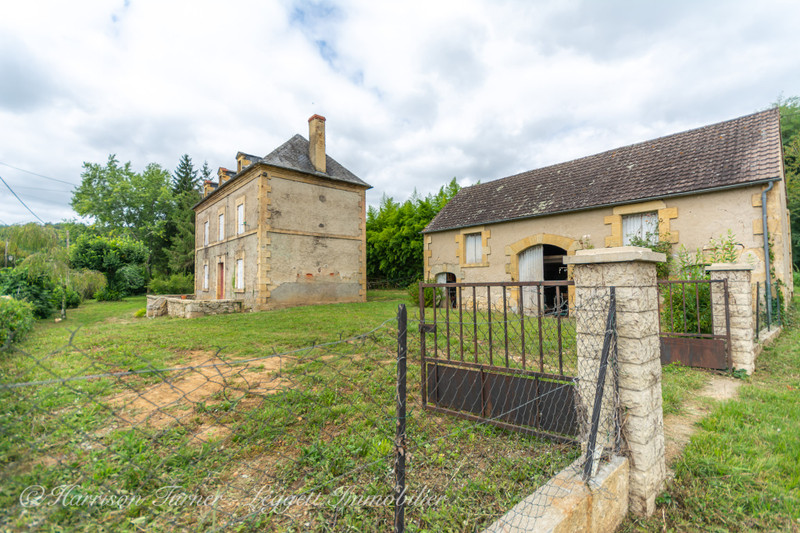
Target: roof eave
column 613, row 204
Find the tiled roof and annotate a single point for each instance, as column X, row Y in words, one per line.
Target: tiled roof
column 293, row 154
column 729, row 154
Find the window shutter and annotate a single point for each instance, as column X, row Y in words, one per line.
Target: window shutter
column 240, row 273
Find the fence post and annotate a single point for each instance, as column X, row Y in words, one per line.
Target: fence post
column 400, row 435
column 632, row 271
column 740, row 305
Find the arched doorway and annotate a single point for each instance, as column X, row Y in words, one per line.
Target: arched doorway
column 543, row 262
column 448, row 277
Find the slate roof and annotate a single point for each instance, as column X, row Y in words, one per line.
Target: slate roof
column 293, row 155
column 734, row 153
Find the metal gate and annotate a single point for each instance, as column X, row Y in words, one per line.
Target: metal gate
column 500, row 353
column 695, row 323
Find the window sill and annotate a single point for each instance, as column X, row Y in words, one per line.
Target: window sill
column 475, row 265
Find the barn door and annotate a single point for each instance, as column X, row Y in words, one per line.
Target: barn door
column 531, row 268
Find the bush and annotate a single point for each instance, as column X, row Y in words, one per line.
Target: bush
column 413, row 293
column 87, row 282
column 16, row 319
column 140, row 313
column 73, row 297
column 175, row 284
column 107, row 295
column 131, row 279
column 36, row 289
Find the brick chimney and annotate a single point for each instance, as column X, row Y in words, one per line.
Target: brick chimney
column 316, row 142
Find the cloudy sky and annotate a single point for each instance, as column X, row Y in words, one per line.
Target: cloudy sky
column 415, row 92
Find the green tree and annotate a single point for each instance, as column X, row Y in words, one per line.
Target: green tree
column 121, row 259
column 185, row 185
column 126, row 203
column 394, row 235
column 790, row 135
column 185, row 179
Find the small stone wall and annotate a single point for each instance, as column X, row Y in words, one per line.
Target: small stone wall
column 176, row 306
column 566, row 503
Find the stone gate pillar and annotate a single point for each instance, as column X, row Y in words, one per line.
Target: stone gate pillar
column 740, row 307
column 632, row 271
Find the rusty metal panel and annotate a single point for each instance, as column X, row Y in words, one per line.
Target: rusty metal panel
column 557, row 414
column 513, row 399
column 517, row 402
column 455, row 388
column 703, row 353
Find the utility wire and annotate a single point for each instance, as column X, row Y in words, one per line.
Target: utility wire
column 35, row 174
column 20, row 200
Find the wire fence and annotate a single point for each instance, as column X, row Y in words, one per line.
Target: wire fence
column 331, row 437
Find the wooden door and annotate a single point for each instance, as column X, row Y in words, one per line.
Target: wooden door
column 531, row 268
column 220, row 281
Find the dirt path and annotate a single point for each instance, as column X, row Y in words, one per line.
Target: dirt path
column 679, row 428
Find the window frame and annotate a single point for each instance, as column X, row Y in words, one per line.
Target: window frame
column 239, row 272
column 648, row 220
column 241, row 225
column 473, row 248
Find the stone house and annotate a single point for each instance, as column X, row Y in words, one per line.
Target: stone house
column 285, row 229
column 689, row 187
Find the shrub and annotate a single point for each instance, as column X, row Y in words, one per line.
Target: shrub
column 140, row 313
column 131, row 279
column 87, row 282
column 36, row 289
column 413, row 293
column 107, row 295
column 73, row 297
column 16, row 319
column 175, row 284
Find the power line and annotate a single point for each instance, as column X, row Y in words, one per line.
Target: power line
column 20, row 200
column 35, row 174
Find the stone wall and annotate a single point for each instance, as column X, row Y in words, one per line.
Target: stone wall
column 175, row 306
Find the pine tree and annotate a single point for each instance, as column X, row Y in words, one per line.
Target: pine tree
column 185, row 177
column 185, row 184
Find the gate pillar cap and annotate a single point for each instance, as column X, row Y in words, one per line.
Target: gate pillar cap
column 620, row 254
column 729, row 266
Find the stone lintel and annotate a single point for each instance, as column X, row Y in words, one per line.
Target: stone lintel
column 620, row 254
column 729, row 266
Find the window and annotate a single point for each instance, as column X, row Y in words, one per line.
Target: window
column 240, row 274
column 222, row 226
column 205, row 274
column 240, row 218
column 473, row 248
column 205, row 233
column 641, row 225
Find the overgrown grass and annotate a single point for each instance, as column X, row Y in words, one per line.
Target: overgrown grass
column 741, row 471
column 331, row 423
column 677, row 384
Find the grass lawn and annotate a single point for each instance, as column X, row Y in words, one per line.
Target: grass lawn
column 299, row 420
column 741, row 470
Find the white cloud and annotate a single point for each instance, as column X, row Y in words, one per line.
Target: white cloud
column 415, row 93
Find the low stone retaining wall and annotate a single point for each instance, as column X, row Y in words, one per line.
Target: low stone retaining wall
column 176, row 306
column 766, row 337
column 566, row 503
